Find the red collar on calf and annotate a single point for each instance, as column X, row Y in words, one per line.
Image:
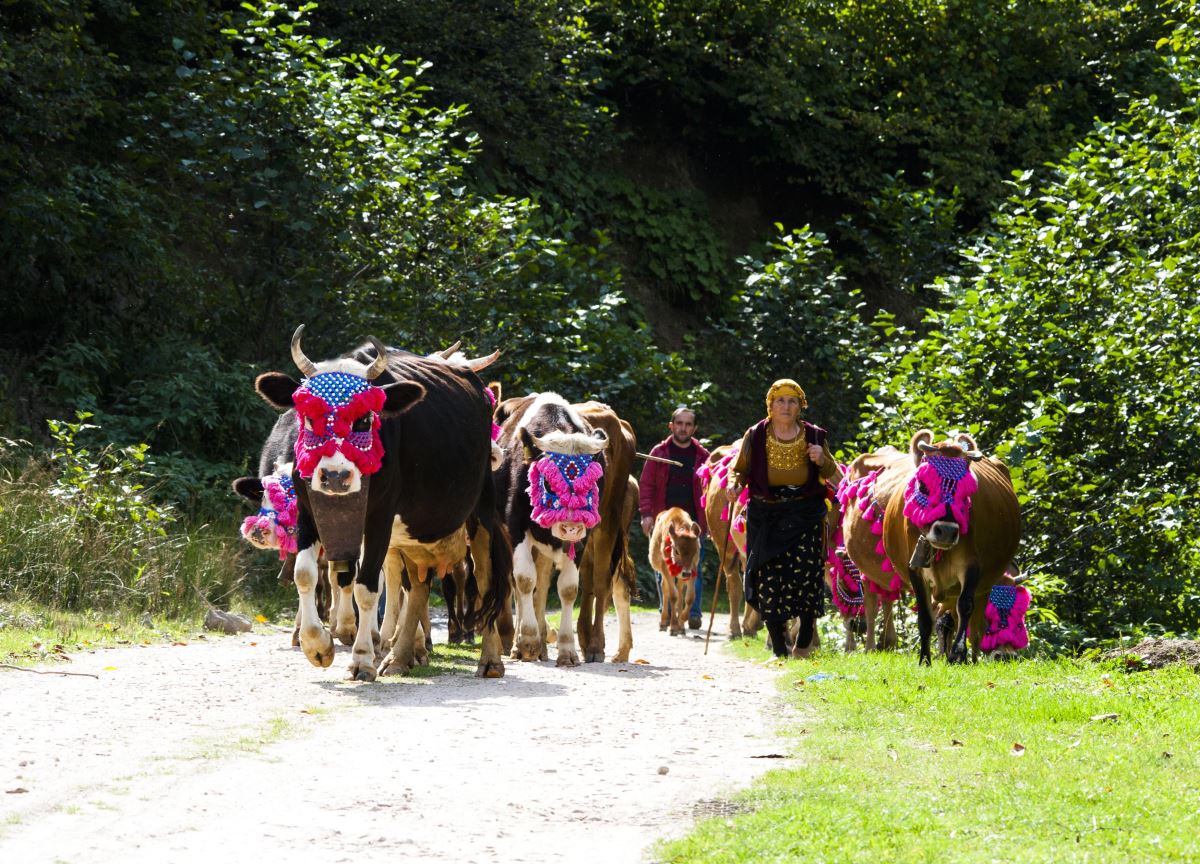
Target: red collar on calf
column 674, row 569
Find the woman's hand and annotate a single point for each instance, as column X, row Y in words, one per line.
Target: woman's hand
column 816, row 453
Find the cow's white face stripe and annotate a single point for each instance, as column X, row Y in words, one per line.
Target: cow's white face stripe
column 543, row 399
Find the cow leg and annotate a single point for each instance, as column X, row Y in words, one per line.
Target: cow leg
column 545, row 568
column 679, row 612
column 733, row 585
column 924, row 616
column 966, row 605
column 427, row 641
column 314, row 639
column 870, row 613
column 624, row 625
column 344, row 626
column 393, row 574
column 528, row 643
column 505, row 628
column 484, row 549
column 664, row 599
column 688, row 590
column 454, row 632
column 568, row 589
column 401, row 658
column 752, row 623
column 601, row 595
column 366, row 640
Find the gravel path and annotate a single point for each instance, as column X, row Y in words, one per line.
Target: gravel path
column 235, row 747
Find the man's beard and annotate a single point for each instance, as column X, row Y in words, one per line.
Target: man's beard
column 681, row 442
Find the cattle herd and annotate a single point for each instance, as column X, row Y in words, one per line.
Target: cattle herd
column 387, row 462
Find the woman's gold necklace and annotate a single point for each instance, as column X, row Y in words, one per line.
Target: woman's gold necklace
column 785, row 455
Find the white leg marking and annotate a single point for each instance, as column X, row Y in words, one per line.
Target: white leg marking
column 568, row 589
column 527, row 643
column 362, row 664
column 317, row 644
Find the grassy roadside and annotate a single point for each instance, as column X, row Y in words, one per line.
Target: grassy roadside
column 1030, row 761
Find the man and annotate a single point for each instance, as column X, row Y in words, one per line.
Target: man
column 664, row 486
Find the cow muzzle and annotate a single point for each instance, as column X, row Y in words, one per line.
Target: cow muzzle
column 569, row 532
column 336, row 475
column 943, row 534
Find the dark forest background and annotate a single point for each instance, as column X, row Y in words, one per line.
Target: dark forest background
column 959, row 214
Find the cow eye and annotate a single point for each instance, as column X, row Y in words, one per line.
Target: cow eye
column 363, row 423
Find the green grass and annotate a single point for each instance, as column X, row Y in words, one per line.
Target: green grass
column 992, row 762
column 30, row 633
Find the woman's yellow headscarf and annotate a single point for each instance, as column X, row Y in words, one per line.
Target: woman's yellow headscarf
column 785, row 387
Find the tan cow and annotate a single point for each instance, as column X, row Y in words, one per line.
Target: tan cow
column 863, row 499
column 675, row 556
column 720, row 510
column 603, row 578
column 952, row 532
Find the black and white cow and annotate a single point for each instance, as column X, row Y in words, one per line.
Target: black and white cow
column 392, row 453
column 549, row 482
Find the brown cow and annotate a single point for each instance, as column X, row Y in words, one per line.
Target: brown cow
column 720, row 503
column 602, row 574
column 863, row 500
column 674, row 556
column 952, row 533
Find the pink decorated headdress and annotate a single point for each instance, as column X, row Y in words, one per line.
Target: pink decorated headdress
column 331, row 402
column 938, row 481
column 563, row 488
column 1005, row 616
column 278, row 520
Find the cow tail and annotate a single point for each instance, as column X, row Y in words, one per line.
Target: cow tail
column 621, row 566
column 497, row 595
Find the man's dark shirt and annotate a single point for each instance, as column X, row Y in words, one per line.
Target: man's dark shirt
column 679, row 480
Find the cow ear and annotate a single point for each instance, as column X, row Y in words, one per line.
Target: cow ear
column 249, row 487
column 276, row 389
column 494, row 386
column 695, row 529
column 600, row 435
column 923, row 436
column 401, row 396
column 526, row 443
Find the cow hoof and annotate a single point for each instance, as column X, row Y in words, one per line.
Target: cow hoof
column 567, row 656
column 421, row 657
column 361, row 671
column 492, row 669
column 529, row 648
column 593, row 655
column 925, row 660
column 346, row 638
column 621, row 657
column 319, row 650
column 296, row 638
column 662, row 628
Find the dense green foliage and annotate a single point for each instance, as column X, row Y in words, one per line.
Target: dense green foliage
column 608, row 192
column 1072, row 348
column 81, row 532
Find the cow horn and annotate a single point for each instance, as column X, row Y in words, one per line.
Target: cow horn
column 307, row 367
column 445, row 355
column 927, row 448
column 380, row 363
column 481, row 363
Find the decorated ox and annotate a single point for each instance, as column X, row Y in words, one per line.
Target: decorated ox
column 720, row 502
column 952, row 532
column 273, row 527
column 392, row 453
column 869, row 483
column 549, row 482
column 603, row 575
column 675, row 557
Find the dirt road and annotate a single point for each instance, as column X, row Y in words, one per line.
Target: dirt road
column 235, row 748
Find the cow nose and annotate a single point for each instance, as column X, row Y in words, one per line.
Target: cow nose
column 335, row 481
column 943, row 534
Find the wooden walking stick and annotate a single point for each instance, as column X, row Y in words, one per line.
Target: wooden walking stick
column 717, row 585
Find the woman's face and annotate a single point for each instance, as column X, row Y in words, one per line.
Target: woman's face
column 785, row 407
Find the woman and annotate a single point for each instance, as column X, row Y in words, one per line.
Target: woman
column 783, row 460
